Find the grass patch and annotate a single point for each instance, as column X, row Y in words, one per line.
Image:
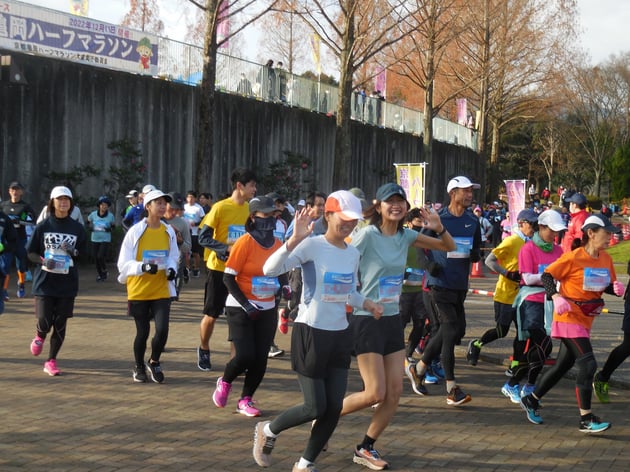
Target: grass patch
column 620, row 252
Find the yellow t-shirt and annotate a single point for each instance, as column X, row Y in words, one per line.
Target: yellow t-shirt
column 153, row 247
column 228, row 219
column 507, row 253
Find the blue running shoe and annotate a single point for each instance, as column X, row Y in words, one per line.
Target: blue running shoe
column 527, row 389
column 530, row 405
column 512, row 392
column 436, row 368
column 593, row 425
column 431, row 379
column 21, row 292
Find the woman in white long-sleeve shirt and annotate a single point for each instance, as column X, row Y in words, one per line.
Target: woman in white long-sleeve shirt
column 321, row 341
column 147, row 264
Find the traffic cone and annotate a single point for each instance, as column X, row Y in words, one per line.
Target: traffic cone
column 613, row 240
column 476, row 271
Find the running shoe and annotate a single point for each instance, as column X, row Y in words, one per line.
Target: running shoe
column 37, row 344
column 530, row 405
column 186, row 275
column 308, row 468
column 593, row 425
column 283, row 324
column 528, row 389
column 430, row 378
column 221, row 393
column 203, row 359
column 28, row 277
column 50, row 367
column 5, row 295
column 436, row 368
column 263, row 445
column 416, row 381
column 274, row 351
column 195, row 273
column 21, row 291
column 457, row 397
column 246, row 407
column 139, row 374
column 370, row 458
column 472, row 355
column 513, row 392
column 601, row 388
column 156, row 372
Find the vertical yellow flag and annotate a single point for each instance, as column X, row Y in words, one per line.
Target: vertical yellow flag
column 79, row 7
column 411, row 178
column 315, row 45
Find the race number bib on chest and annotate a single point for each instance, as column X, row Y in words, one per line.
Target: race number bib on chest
column 336, row 287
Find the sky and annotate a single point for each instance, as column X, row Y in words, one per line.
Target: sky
column 604, row 22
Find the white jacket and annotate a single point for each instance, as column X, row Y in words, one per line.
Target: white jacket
column 127, row 263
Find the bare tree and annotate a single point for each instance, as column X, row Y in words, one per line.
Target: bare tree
column 598, row 97
column 423, row 54
column 285, row 35
column 144, row 15
column 355, row 31
column 218, row 10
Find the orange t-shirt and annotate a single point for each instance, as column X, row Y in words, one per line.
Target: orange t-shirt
column 246, row 260
column 581, row 278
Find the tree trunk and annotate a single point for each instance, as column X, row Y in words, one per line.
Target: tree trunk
column 427, row 134
column 205, row 146
column 343, row 148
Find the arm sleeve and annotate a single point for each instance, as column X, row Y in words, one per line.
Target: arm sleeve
column 549, row 284
column 493, row 264
column 229, row 280
column 206, row 239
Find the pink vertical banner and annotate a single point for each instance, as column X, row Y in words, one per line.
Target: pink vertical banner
column 223, row 24
column 515, row 190
column 462, row 111
column 380, row 81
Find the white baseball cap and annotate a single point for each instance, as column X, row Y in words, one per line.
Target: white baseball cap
column 460, row 182
column 154, row 195
column 346, row 204
column 148, row 188
column 551, row 219
column 60, row 191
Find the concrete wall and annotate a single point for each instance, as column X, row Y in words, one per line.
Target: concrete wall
column 67, row 114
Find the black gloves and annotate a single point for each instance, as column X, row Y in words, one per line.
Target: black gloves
column 171, row 274
column 513, row 275
column 253, row 310
column 150, row 268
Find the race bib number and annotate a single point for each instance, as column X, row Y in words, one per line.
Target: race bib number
column 463, row 245
column 596, row 280
column 542, row 267
column 63, row 261
column 413, row 276
column 389, row 288
column 336, row 287
column 235, row 232
column 265, row 287
column 155, row 257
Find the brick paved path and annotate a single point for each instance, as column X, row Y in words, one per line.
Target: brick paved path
column 94, row 418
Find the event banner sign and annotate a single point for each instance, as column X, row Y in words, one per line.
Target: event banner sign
column 515, row 190
column 411, row 178
column 41, row 31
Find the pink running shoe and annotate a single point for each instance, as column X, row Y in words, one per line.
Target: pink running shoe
column 36, row 345
column 246, row 407
column 50, row 367
column 220, row 395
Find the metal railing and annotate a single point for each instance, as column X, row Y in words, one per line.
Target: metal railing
column 183, row 63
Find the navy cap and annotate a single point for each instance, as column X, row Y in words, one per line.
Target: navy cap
column 389, row 190
column 527, row 215
column 600, row 221
column 577, row 198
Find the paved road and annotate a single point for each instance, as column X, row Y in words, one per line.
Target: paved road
column 94, row 418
